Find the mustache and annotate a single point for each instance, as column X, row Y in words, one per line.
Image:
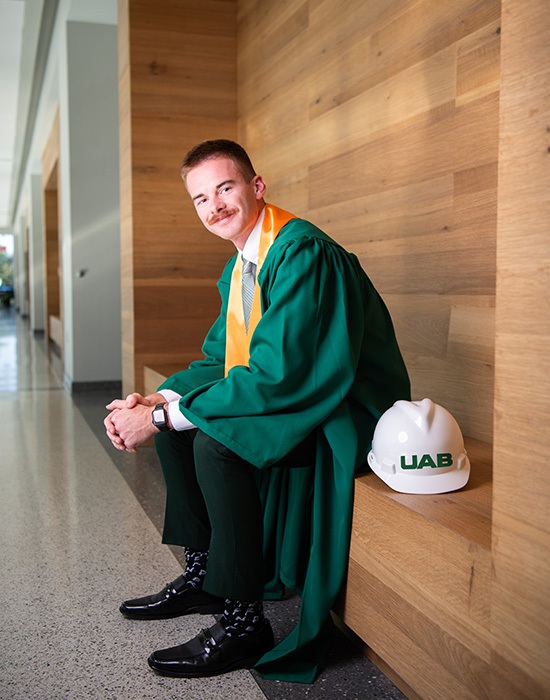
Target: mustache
column 218, row 217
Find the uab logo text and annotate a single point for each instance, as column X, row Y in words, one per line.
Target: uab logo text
column 445, row 459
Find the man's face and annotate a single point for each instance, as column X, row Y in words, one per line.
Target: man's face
column 226, row 204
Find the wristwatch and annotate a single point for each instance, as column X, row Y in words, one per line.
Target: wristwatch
column 160, row 417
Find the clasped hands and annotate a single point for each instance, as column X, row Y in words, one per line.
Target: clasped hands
column 129, row 424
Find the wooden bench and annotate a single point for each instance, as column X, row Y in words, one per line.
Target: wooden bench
column 418, row 586
column 55, row 330
column 153, row 377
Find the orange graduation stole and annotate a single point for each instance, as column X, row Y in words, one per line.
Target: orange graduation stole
column 237, row 343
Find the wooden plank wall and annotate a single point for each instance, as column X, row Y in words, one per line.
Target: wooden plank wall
column 51, row 248
column 379, row 122
column 53, row 291
column 520, row 616
column 177, row 78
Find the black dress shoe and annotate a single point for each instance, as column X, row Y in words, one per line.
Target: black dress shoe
column 175, row 599
column 212, row 652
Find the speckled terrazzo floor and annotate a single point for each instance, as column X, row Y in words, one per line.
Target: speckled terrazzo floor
column 79, row 532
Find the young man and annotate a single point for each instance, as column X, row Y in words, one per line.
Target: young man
column 260, row 440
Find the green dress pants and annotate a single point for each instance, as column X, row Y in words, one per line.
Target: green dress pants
column 213, row 504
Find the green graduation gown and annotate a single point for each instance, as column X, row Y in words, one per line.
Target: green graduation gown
column 323, row 358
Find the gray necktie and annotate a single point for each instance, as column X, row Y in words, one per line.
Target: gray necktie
column 249, row 279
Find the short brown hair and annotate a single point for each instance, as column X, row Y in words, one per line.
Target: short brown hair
column 218, row 148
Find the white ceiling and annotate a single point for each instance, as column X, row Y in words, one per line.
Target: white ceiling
column 19, row 35
column 25, row 32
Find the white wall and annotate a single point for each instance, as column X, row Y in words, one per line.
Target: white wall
column 90, row 203
column 81, row 80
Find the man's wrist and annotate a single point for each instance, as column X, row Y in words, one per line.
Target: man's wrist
column 161, row 418
column 168, row 421
column 177, row 420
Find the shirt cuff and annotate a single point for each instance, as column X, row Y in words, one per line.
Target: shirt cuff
column 178, row 420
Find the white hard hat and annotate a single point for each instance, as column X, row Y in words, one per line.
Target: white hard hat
column 418, row 448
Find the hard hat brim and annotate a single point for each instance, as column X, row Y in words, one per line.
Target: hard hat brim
column 433, row 483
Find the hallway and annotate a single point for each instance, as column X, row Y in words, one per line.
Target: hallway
column 79, row 532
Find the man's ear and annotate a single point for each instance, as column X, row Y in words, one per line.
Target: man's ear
column 259, row 186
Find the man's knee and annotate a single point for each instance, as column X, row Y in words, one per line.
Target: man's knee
column 209, row 453
column 175, row 452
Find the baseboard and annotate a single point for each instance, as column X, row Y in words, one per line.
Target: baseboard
column 112, row 387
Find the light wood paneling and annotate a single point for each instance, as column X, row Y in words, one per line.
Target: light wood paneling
column 53, row 291
column 177, row 83
column 383, row 123
column 520, row 618
column 153, row 378
column 51, row 258
column 55, row 330
column 379, row 122
column 50, row 156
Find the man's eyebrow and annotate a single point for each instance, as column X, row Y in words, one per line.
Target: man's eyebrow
column 225, row 182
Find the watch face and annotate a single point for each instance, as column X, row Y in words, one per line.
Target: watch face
column 158, row 416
